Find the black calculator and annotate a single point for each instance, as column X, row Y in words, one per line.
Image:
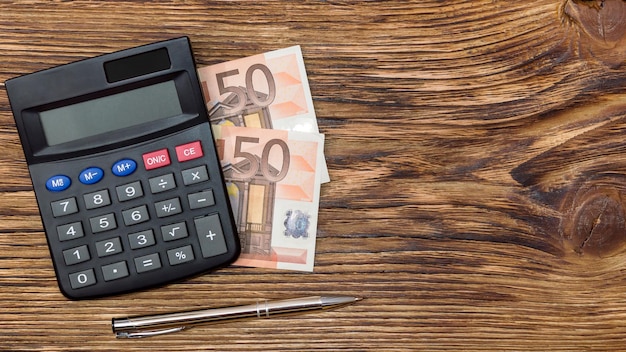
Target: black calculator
column 125, row 170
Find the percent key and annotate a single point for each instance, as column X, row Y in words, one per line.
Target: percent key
column 180, row 255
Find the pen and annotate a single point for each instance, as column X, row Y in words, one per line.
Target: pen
column 151, row 325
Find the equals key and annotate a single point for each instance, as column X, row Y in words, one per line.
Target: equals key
column 147, row 263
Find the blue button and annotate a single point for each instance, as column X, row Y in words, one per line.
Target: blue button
column 58, row 183
column 91, row 175
column 124, row 167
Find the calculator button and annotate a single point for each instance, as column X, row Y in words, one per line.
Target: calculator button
column 141, row 239
column 195, row 175
column 64, row 207
column 156, row 159
column 109, row 247
column 70, row 231
column 162, row 183
column 58, row 183
column 129, row 191
column 174, row 231
column 82, row 279
column 210, row 235
column 102, row 223
column 135, row 215
column 189, row 151
column 180, row 255
column 168, row 207
column 114, row 271
column 76, row 255
column 97, row 199
column 147, row 262
column 124, row 167
column 91, row 175
column 201, row 199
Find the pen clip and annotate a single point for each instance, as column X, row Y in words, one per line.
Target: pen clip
column 140, row 334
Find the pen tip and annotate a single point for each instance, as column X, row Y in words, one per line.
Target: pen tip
column 339, row 300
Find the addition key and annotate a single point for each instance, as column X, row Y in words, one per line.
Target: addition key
column 210, row 235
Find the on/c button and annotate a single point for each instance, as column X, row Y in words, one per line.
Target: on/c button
column 189, row 151
column 156, row 159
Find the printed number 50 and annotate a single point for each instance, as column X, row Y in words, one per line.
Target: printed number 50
column 262, row 163
column 242, row 97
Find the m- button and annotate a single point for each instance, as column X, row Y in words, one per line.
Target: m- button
column 189, row 151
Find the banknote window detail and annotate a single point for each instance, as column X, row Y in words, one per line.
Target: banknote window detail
column 253, row 120
column 255, row 205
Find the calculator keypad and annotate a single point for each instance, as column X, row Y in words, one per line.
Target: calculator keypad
column 129, row 224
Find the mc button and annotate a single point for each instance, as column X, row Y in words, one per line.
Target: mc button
column 58, row 183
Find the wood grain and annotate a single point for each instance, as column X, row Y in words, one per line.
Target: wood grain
column 478, row 166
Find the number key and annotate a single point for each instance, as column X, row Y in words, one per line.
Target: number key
column 97, row 199
column 76, row 255
column 141, row 239
column 82, row 279
column 109, row 247
column 102, row 223
column 129, row 191
column 135, row 215
column 64, row 207
column 70, row 231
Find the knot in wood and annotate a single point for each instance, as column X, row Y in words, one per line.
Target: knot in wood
column 595, row 222
column 602, row 27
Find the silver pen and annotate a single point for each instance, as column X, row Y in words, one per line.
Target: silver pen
column 151, row 325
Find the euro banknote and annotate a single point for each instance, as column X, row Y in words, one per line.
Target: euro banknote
column 268, row 90
column 273, row 181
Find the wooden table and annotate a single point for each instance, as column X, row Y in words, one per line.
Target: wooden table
column 478, row 162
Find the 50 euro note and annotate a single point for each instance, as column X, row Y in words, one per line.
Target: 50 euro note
column 273, row 181
column 268, row 90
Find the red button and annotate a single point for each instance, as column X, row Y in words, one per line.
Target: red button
column 156, row 159
column 189, row 151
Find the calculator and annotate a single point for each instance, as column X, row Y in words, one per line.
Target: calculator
column 125, row 170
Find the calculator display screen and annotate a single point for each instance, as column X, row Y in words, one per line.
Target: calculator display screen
column 110, row 113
